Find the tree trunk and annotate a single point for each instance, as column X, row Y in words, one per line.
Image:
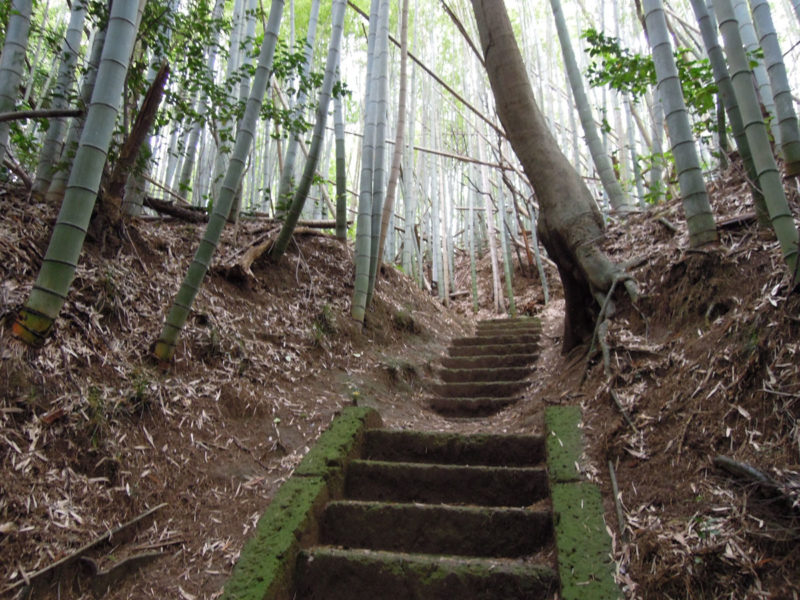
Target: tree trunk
column 341, row 170
column 719, row 67
column 570, row 225
column 129, row 151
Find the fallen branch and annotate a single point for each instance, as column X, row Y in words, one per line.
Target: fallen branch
column 766, row 485
column 185, row 213
column 33, row 578
column 241, row 270
column 40, row 114
column 15, row 168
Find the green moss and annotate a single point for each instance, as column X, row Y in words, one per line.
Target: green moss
column 583, row 544
column 266, row 564
column 340, row 442
column 564, row 442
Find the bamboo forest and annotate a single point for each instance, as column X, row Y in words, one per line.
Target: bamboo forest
column 399, row 300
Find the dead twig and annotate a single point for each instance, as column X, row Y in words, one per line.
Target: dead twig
column 33, row 578
column 622, row 410
column 617, row 501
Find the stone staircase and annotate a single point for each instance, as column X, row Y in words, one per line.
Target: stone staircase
column 436, row 516
column 483, row 374
column 381, row 514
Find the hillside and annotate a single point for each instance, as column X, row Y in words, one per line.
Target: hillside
column 94, row 432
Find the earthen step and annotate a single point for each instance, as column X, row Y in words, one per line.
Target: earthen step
column 478, row 389
column 446, row 484
column 489, row 361
column 494, row 349
column 516, row 321
column 479, row 375
column 496, row 339
column 337, row 574
column 442, row 529
column 533, row 328
column 469, row 408
column 453, row 448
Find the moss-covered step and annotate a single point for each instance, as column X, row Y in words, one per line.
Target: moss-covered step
column 436, row 529
column 448, row 484
column 338, row 574
column 481, row 374
column 489, row 361
column 478, row 389
column 469, row 408
column 266, row 565
column 583, row 545
column 453, row 448
column 496, row 339
column 494, row 349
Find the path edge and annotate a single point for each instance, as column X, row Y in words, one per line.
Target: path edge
column 267, row 563
column 583, row 546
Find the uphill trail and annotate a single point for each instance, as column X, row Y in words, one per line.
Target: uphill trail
column 379, row 511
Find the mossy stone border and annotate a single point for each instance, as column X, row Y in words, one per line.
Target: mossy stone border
column 267, row 563
column 583, row 545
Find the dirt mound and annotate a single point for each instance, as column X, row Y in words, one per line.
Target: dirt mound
column 704, row 366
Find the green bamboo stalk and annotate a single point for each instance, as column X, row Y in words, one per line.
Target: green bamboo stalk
column 381, row 76
column 616, row 196
column 301, row 193
column 364, row 218
column 286, row 182
column 699, row 217
column 176, row 318
column 58, row 269
column 708, row 29
column 769, row 179
column 54, row 139
column 58, row 185
column 779, row 83
column 341, row 170
column 12, row 62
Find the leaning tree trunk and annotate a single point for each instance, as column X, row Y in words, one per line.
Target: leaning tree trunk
column 612, row 186
column 394, row 172
column 570, row 225
column 301, row 192
column 699, row 217
column 58, row 269
column 12, row 62
column 176, row 318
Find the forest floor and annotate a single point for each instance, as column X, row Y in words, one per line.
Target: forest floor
column 94, row 432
